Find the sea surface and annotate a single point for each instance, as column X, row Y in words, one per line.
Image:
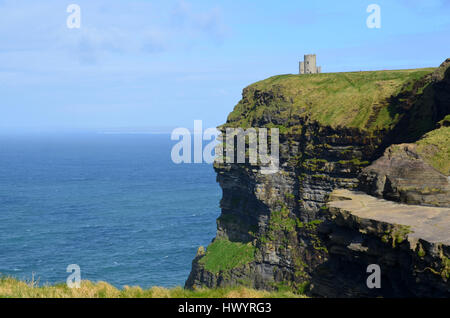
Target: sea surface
column 116, row 205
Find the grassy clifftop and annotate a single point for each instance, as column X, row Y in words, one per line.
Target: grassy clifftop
column 357, row 99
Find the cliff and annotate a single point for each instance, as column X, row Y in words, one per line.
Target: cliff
column 276, row 230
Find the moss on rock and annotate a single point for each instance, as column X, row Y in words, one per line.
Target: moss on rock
column 224, row 255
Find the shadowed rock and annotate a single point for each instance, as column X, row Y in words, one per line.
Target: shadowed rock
column 402, row 175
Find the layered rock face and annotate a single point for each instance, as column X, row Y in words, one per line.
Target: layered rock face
column 299, row 242
column 278, row 213
column 402, row 175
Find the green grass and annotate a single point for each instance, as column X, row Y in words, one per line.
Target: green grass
column 281, row 222
column 434, row 148
column 356, row 99
column 223, row 255
column 12, row 288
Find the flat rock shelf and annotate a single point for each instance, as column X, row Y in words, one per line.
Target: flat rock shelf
column 431, row 224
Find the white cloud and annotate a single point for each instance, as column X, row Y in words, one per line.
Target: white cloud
column 197, row 24
column 119, row 28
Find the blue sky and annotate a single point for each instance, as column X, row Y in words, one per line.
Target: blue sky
column 139, row 65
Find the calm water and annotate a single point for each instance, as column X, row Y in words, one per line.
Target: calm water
column 115, row 205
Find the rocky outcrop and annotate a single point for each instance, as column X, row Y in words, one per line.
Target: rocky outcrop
column 411, row 244
column 299, row 243
column 402, row 175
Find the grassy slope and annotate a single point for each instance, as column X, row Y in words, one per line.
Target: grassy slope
column 12, row 288
column 434, row 148
column 356, row 99
column 237, row 254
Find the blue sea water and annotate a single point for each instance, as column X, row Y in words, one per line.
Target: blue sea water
column 115, row 205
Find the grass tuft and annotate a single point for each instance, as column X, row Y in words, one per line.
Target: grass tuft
column 223, row 255
column 13, row 288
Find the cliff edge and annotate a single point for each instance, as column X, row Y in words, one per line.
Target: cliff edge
column 380, row 132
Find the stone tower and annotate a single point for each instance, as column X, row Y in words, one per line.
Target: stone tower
column 308, row 66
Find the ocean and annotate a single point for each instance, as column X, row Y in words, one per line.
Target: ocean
column 116, row 205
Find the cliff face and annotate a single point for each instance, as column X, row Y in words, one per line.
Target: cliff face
column 332, row 126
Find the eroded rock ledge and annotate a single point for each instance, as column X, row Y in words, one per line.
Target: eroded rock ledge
column 430, row 224
column 410, row 243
